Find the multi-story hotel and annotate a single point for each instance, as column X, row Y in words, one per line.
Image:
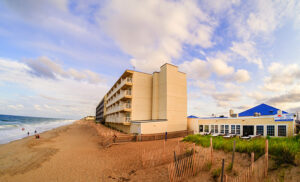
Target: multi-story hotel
column 145, row 103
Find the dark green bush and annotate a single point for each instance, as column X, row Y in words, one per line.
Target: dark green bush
column 282, row 150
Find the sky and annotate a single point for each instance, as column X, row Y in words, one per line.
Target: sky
column 59, row 57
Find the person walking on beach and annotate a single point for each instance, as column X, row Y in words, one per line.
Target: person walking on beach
column 28, row 133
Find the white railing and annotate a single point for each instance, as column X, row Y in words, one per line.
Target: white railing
column 117, row 119
column 123, row 81
column 119, row 96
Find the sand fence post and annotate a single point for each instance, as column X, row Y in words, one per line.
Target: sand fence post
column 194, row 150
column 211, row 151
column 233, row 151
column 252, row 162
column 222, row 175
column 266, row 158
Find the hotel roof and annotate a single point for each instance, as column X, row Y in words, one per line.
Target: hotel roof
column 263, row 109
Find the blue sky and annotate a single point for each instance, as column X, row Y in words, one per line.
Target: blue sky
column 59, row 57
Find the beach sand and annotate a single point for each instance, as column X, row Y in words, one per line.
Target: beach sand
column 73, row 153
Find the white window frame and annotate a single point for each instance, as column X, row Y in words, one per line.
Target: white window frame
column 223, row 128
column 217, row 128
column 212, row 128
column 236, row 129
column 264, row 129
column 202, row 128
column 286, row 130
column 275, row 134
column 205, row 128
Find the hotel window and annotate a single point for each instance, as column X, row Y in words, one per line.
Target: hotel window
column 216, row 129
column 206, row 128
column 260, row 130
column 281, row 130
column 271, row 130
column 211, row 128
column 200, row 128
column 233, row 129
column 222, row 128
column 226, row 129
column 238, row 129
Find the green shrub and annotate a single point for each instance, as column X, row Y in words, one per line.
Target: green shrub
column 229, row 167
column 216, row 173
column 282, row 150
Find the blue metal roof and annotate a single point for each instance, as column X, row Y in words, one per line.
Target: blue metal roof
column 192, row 116
column 263, row 109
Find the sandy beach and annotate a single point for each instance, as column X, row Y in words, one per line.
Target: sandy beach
column 73, row 153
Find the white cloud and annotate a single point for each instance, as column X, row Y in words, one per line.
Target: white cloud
column 196, row 69
column 16, row 107
column 248, row 51
column 227, row 96
column 220, row 67
column 258, row 96
column 153, row 31
column 281, row 77
column 242, row 76
column 45, row 67
column 68, row 96
column 37, row 107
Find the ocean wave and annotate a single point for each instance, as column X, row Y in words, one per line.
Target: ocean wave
column 13, row 130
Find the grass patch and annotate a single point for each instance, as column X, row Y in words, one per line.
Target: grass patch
column 216, row 173
column 282, row 150
column 229, row 167
column 207, row 166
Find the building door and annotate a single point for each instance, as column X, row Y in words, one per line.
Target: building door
column 248, row 130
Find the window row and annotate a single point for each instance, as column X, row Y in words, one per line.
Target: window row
column 235, row 129
column 281, row 130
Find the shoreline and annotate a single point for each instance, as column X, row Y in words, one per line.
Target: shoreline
column 43, row 131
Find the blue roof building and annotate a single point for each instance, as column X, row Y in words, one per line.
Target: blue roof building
column 192, row 116
column 262, row 109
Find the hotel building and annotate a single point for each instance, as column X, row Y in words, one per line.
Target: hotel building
column 262, row 120
column 145, row 103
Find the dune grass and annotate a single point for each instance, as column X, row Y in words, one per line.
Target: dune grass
column 282, row 150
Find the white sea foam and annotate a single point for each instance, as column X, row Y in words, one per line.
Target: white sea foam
column 11, row 132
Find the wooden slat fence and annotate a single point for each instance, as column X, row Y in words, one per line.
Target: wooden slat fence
column 162, row 155
column 189, row 166
column 256, row 172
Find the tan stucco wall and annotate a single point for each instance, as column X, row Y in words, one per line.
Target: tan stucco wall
column 155, row 95
column 141, row 96
column 153, row 127
column 162, row 93
column 193, row 123
column 176, row 99
column 120, row 126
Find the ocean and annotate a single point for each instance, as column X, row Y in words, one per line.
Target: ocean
column 11, row 126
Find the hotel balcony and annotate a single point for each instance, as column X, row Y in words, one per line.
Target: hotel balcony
column 123, row 83
column 119, row 107
column 123, row 95
column 117, row 118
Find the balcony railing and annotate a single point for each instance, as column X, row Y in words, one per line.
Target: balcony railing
column 118, row 119
column 119, row 96
column 123, row 81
